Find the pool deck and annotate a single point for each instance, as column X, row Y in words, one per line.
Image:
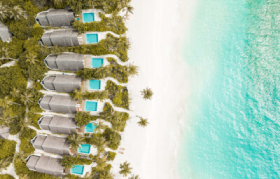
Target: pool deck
column 95, row 11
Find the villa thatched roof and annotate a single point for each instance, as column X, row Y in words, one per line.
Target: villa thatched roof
column 59, row 104
column 62, row 83
column 58, row 124
column 5, row 34
column 56, row 17
column 52, row 144
column 66, row 62
column 61, row 38
column 45, row 164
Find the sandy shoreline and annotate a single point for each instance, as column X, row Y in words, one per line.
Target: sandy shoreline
column 156, row 31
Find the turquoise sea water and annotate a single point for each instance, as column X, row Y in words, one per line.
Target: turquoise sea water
column 232, row 128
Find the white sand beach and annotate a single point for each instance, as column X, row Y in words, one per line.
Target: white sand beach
column 157, row 31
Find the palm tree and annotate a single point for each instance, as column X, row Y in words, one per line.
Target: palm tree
column 4, row 12
column 125, row 169
column 58, row 3
column 14, row 93
column 20, row 156
column 134, row 177
column 24, row 124
column 105, row 175
column 5, row 102
column 75, row 141
column 147, row 93
column 143, row 122
column 5, row 163
column 100, row 143
column 31, row 58
column 100, row 127
column 126, row 5
column 25, row 98
column 101, row 163
column 16, row 12
column 102, row 72
column 132, row 70
column 101, row 95
column 77, row 95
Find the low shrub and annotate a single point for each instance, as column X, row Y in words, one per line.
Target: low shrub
column 69, row 161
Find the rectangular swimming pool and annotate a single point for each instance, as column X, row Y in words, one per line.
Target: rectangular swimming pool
column 91, row 38
column 91, row 106
column 90, row 127
column 96, row 62
column 88, row 17
column 77, row 169
column 85, row 149
column 94, row 84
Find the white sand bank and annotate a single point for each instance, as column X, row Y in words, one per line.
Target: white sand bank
column 156, row 32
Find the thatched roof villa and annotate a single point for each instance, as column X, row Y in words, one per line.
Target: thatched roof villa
column 51, row 144
column 45, row 164
column 62, row 83
column 58, row 124
column 61, row 38
column 65, row 62
column 56, row 17
column 58, row 103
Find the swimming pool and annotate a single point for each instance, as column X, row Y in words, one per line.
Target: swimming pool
column 94, row 84
column 85, row 149
column 77, row 169
column 96, row 62
column 91, row 38
column 91, row 106
column 90, row 127
column 88, row 17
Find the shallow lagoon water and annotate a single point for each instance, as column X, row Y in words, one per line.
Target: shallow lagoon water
column 231, row 127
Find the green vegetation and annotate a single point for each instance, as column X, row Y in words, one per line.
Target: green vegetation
column 114, row 24
column 114, row 70
column 83, row 118
column 111, row 156
column 6, row 176
column 147, row 93
column 75, row 141
column 69, row 161
column 134, row 177
column 117, row 119
column 118, row 94
column 97, row 95
column 125, row 169
column 113, row 138
column 8, row 149
column 143, row 122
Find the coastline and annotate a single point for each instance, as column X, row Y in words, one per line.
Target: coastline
column 157, row 41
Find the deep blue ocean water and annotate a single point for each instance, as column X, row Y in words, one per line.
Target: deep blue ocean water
column 232, row 128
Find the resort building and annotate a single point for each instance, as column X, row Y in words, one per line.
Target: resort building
column 58, row 124
column 45, row 164
column 55, row 17
column 61, row 38
column 51, row 144
column 62, row 83
column 66, row 62
column 4, row 132
column 73, row 62
column 5, row 34
column 59, row 104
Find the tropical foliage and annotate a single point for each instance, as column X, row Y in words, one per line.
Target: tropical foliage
column 143, row 122
column 96, row 95
column 7, row 148
column 83, row 118
column 125, row 169
column 114, row 24
column 118, row 94
column 75, row 141
column 69, row 161
column 147, row 93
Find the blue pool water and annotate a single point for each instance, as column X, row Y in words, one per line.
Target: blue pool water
column 96, row 62
column 94, row 84
column 77, row 169
column 91, row 106
column 232, row 112
column 90, row 127
column 85, row 148
column 91, row 38
column 88, row 17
